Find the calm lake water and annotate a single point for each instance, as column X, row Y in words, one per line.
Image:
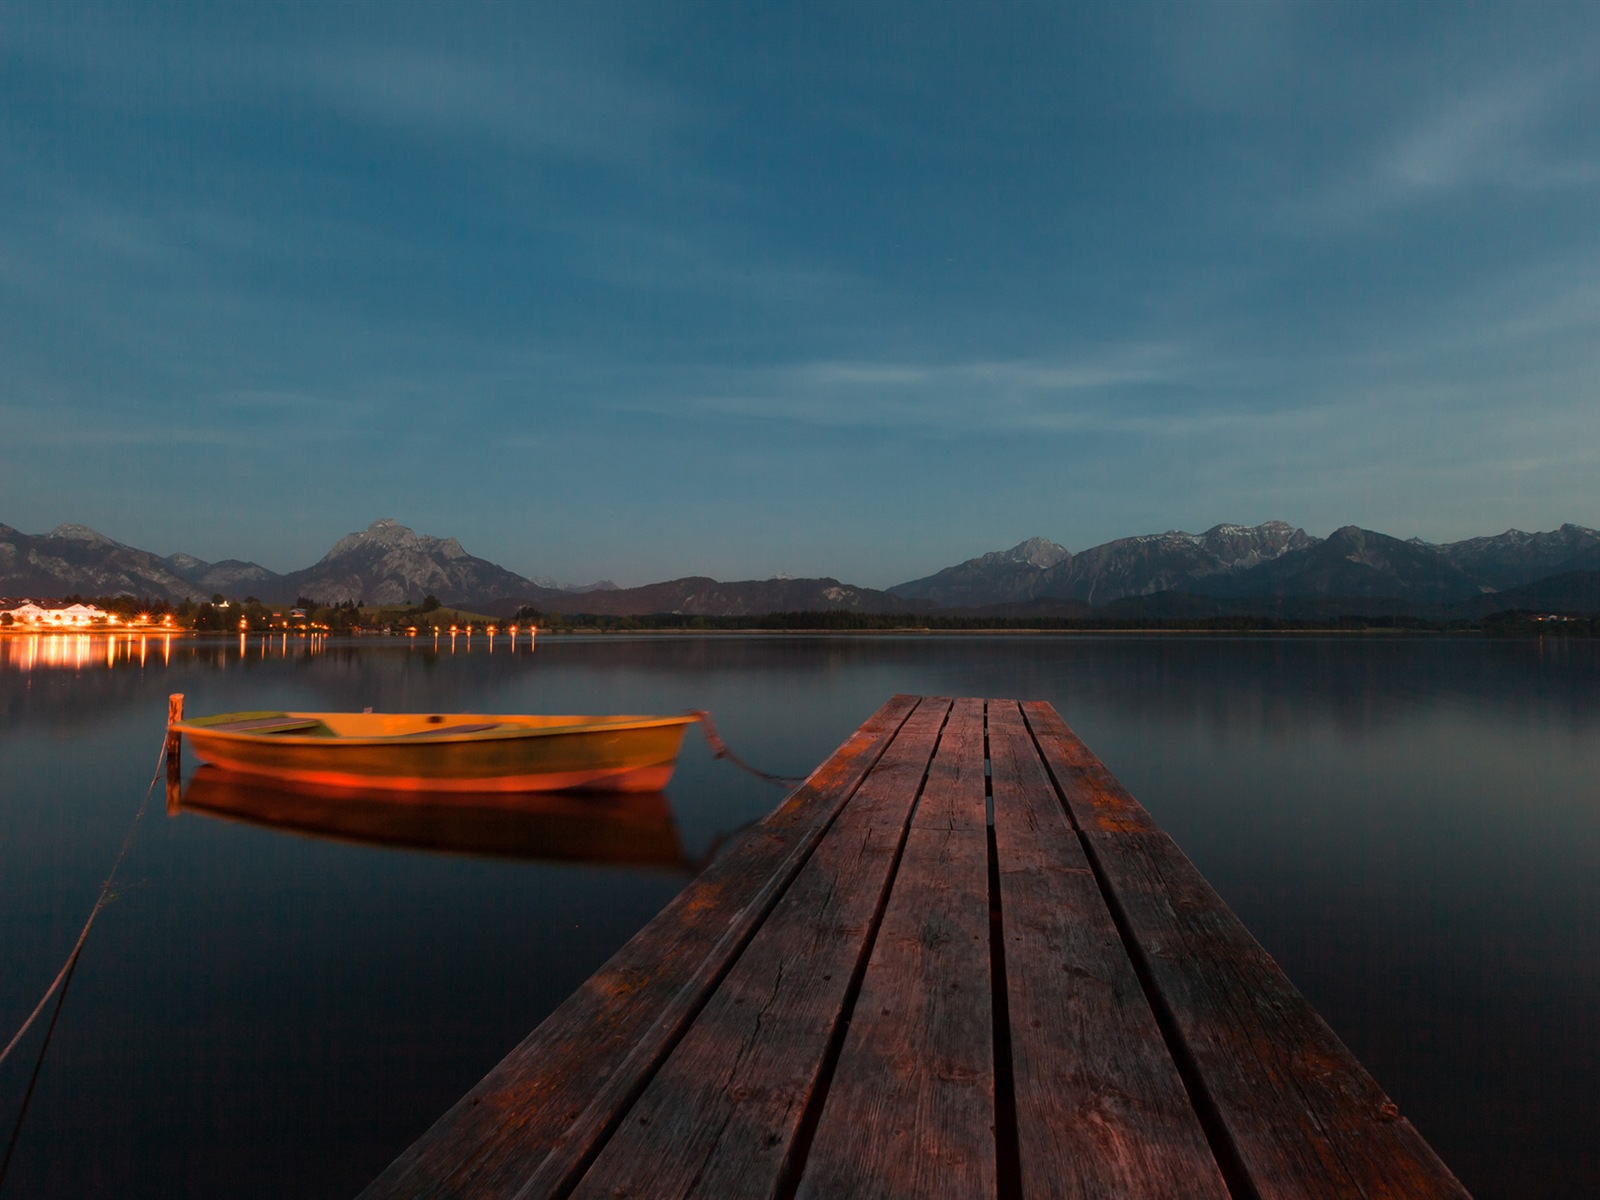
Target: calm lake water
column 1410, row 826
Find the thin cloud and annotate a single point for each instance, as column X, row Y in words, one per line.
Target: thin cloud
column 1500, row 136
column 1536, row 323
column 1121, row 390
column 1474, row 139
column 579, row 109
column 55, row 427
column 572, row 103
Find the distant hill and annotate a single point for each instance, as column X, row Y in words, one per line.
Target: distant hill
column 1133, row 566
column 74, row 559
column 387, row 563
column 231, row 576
column 603, row 585
column 700, row 596
column 1000, row 577
column 1584, row 560
column 1044, row 608
column 1271, row 569
column 1513, row 558
column 1353, row 562
column 1576, row 592
column 1141, row 566
column 1188, row 606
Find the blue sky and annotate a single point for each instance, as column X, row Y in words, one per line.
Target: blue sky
column 859, row 289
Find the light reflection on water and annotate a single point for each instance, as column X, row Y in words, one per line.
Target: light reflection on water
column 83, row 651
column 634, row 829
column 1411, row 827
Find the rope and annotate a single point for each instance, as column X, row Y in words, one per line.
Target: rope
column 719, row 749
column 33, row 1080
column 64, row 976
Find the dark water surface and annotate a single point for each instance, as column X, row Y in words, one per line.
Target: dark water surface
column 1410, row 826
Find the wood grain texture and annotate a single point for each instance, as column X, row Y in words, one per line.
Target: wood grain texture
column 954, row 795
column 700, row 1060
column 538, row 1115
column 1303, row 1116
column 910, row 1108
column 1101, row 1110
column 886, row 795
column 720, row 1117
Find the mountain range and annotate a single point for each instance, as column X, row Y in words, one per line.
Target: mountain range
column 1272, row 568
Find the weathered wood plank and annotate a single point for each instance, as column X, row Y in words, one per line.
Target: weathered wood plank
column 888, row 793
column 1101, row 1110
column 720, row 1117
column 909, row 1110
column 956, row 775
column 1304, row 1118
column 552, row 1099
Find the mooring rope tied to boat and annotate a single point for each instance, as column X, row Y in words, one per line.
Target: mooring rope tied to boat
column 63, row 979
column 719, row 749
column 100, row 902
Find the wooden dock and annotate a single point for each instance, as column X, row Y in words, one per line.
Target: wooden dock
column 960, row 960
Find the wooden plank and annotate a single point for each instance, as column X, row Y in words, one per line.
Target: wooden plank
column 891, row 790
column 956, row 775
column 720, row 1117
column 556, row 1096
column 1303, row 1117
column 909, row 1110
column 1100, row 1108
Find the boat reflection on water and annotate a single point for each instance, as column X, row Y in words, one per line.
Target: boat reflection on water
column 632, row 829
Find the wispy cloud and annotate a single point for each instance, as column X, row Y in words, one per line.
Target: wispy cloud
column 1473, row 139
column 1119, row 389
column 54, row 426
column 581, row 109
column 420, row 78
column 1500, row 136
column 1534, row 325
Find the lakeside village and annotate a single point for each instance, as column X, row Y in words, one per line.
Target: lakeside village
column 127, row 614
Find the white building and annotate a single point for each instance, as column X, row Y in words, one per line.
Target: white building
column 70, row 616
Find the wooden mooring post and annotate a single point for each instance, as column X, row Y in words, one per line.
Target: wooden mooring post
column 959, row 960
column 174, row 754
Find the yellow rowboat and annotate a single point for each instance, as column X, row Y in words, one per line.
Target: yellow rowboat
column 443, row 752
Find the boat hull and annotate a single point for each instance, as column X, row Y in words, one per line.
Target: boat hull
column 459, row 753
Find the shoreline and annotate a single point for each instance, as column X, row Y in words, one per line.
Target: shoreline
column 772, row 631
